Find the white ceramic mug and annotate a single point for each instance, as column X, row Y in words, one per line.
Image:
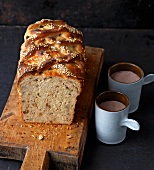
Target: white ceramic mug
column 132, row 90
column 111, row 126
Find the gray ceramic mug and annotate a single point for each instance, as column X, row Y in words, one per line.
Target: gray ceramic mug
column 111, row 126
column 132, row 90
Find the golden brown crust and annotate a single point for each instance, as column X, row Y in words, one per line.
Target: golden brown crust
column 51, row 25
column 54, row 48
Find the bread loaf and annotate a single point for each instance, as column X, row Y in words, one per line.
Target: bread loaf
column 50, row 72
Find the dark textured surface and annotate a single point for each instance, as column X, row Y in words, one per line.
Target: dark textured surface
column 137, row 151
column 79, row 13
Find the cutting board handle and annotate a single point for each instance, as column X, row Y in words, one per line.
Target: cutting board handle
column 35, row 159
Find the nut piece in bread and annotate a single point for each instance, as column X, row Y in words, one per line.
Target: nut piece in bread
column 50, row 72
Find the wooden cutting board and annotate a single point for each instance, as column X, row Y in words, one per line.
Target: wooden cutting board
column 49, row 146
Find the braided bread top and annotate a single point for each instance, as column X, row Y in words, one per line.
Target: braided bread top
column 52, row 47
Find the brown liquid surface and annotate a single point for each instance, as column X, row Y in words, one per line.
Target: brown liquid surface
column 112, row 106
column 125, row 76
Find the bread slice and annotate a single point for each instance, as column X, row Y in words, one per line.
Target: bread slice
column 49, row 99
column 51, row 72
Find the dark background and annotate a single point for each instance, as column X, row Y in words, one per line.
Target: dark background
column 124, row 28
column 133, row 14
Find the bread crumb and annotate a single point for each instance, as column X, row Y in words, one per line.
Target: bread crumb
column 41, row 137
column 69, row 136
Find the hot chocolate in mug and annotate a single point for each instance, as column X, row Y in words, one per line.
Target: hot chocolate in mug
column 111, row 117
column 128, row 78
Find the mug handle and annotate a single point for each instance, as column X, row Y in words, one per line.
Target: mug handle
column 148, row 79
column 130, row 123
